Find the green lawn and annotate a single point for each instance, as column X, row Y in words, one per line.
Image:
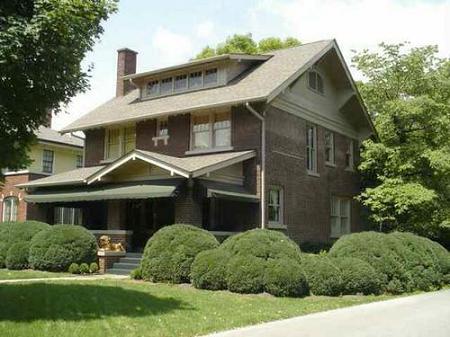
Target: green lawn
column 128, row 308
column 6, row 274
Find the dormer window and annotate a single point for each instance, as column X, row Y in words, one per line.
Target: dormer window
column 195, row 80
column 315, row 81
column 166, row 86
column 180, row 82
column 153, row 88
column 210, row 77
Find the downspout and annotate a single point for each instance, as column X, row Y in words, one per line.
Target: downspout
column 261, row 117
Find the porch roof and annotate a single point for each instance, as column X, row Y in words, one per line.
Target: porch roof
column 142, row 191
column 228, row 191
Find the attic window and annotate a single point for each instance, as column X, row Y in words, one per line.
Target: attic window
column 180, row 82
column 153, row 88
column 195, row 80
column 210, row 77
column 315, row 81
column 166, row 85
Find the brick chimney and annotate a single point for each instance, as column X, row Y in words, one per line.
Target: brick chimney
column 126, row 65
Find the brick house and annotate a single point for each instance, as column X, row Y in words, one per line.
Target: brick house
column 53, row 153
column 227, row 143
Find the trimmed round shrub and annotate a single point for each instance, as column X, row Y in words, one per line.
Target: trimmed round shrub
column 358, row 277
column 262, row 243
column 422, row 266
column 17, row 232
column 377, row 249
column 284, row 277
column 56, row 248
column 169, row 253
column 17, row 256
column 93, row 268
column 136, row 274
column 324, row 278
column 209, row 268
column 84, row 268
column 245, row 274
column 74, row 268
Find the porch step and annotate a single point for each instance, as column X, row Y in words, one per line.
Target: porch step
column 117, row 271
column 126, row 264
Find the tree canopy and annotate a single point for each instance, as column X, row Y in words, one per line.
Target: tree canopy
column 407, row 172
column 245, row 44
column 42, row 43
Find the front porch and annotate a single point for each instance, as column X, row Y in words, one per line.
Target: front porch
column 134, row 196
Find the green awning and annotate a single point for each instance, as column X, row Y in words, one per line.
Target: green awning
column 228, row 191
column 106, row 193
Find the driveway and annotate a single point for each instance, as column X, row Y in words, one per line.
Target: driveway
column 425, row 315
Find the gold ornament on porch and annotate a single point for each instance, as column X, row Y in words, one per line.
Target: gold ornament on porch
column 104, row 243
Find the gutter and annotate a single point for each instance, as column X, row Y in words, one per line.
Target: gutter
column 261, row 117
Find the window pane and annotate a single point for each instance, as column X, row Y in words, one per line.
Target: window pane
column 180, row 82
column 312, row 80
column 201, row 132
column 222, row 129
column 163, row 127
column 166, row 86
column 335, row 227
column 274, row 197
column 152, row 88
column 129, row 139
column 210, row 77
column 47, row 161
column 274, row 214
column 79, row 161
column 195, row 79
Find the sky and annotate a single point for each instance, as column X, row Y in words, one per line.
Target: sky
column 170, row 32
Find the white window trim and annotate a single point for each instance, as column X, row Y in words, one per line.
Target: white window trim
column 121, row 129
column 14, row 206
column 339, row 216
column 331, row 163
column 212, row 148
column 53, row 161
column 351, row 153
column 314, row 171
column 280, row 223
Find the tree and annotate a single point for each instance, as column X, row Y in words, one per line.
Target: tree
column 42, row 43
column 407, row 172
column 245, row 44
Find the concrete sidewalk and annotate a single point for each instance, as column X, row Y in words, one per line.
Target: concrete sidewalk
column 425, row 315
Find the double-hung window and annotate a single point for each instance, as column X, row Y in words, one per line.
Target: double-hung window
column 10, row 208
column 79, row 163
column 349, row 156
column 47, row 161
column 211, row 131
column 195, row 80
column 181, row 82
column 275, row 206
column 311, row 148
column 162, row 127
column 340, row 216
column 120, row 141
column 315, row 81
column 68, row 216
column 329, row 148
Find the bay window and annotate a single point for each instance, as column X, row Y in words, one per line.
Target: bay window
column 210, row 131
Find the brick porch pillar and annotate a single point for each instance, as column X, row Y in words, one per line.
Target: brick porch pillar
column 188, row 207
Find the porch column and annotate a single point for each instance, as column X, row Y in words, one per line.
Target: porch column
column 116, row 214
column 188, row 209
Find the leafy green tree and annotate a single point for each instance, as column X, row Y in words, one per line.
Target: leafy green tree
column 407, row 172
column 42, row 43
column 245, row 44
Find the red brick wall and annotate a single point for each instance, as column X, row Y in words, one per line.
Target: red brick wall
column 94, row 147
column 126, row 64
column 307, row 198
column 24, row 211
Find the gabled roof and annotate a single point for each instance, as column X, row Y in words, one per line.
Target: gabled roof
column 261, row 84
column 188, row 167
column 49, row 135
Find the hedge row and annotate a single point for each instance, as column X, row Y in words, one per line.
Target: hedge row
column 267, row 261
column 37, row 245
